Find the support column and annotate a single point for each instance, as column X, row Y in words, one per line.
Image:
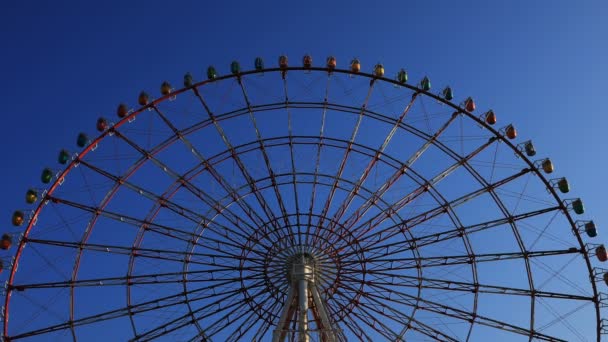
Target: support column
column 301, row 276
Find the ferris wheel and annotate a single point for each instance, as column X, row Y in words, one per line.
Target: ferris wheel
column 303, row 203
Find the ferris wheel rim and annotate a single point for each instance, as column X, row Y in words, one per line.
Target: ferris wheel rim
column 460, row 111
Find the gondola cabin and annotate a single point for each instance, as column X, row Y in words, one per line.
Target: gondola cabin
column 306, row 61
column 591, row 229
column 122, row 110
column 563, row 185
column 469, row 104
column 18, row 218
column 601, row 254
column 379, row 70
column 447, row 93
column 331, row 62
column 188, row 80
column 82, row 140
column 211, row 73
column 235, row 68
column 547, row 166
column 143, row 98
column 258, row 63
column 490, row 117
column 578, row 207
column 529, row 149
column 425, row 84
column 31, row 196
column 46, row 176
column 283, row 62
column 63, row 157
column 402, row 76
column 355, row 66
column 511, row 132
column 102, row 124
column 165, row 88
column 6, row 241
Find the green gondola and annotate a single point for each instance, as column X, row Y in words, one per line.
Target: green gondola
column 82, row 140
column 46, row 176
column 63, row 157
column 235, row 68
column 563, row 185
column 578, row 207
column 258, row 63
column 402, row 76
column 529, row 149
column 448, row 94
column 425, row 84
column 188, row 80
column 591, row 229
column 211, row 73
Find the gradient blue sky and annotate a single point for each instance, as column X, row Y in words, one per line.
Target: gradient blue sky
column 541, row 65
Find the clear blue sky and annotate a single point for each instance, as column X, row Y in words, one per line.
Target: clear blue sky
column 541, row 65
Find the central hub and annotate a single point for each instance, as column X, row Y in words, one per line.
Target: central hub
column 301, row 266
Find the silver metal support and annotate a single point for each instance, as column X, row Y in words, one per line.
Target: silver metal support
column 328, row 332
column 302, row 272
column 276, row 335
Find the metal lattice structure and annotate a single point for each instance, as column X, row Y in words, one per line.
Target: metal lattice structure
column 304, row 204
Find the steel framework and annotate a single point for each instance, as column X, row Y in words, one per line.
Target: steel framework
column 405, row 216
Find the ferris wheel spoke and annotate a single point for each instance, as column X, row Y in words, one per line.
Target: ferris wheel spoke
column 449, row 311
column 178, row 209
column 378, row 306
column 404, row 281
column 373, row 222
column 151, row 305
column 196, row 191
column 252, row 319
column 342, row 164
column 405, row 167
column 262, row 202
column 164, row 230
column 145, row 279
column 184, row 320
column 161, row 254
column 222, row 304
column 451, row 260
column 372, row 317
column 410, row 322
column 317, row 162
column 227, row 320
column 425, row 240
column 260, row 140
column 353, row 326
column 351, row 195
column 393, row 230
column 293, row 162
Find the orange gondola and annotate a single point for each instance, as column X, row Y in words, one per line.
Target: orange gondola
column 331, row 62
column 490, row 117
column 469, row 104
column 601, row 254
column 355, row 66
column 511, row 132
column 6, row 242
